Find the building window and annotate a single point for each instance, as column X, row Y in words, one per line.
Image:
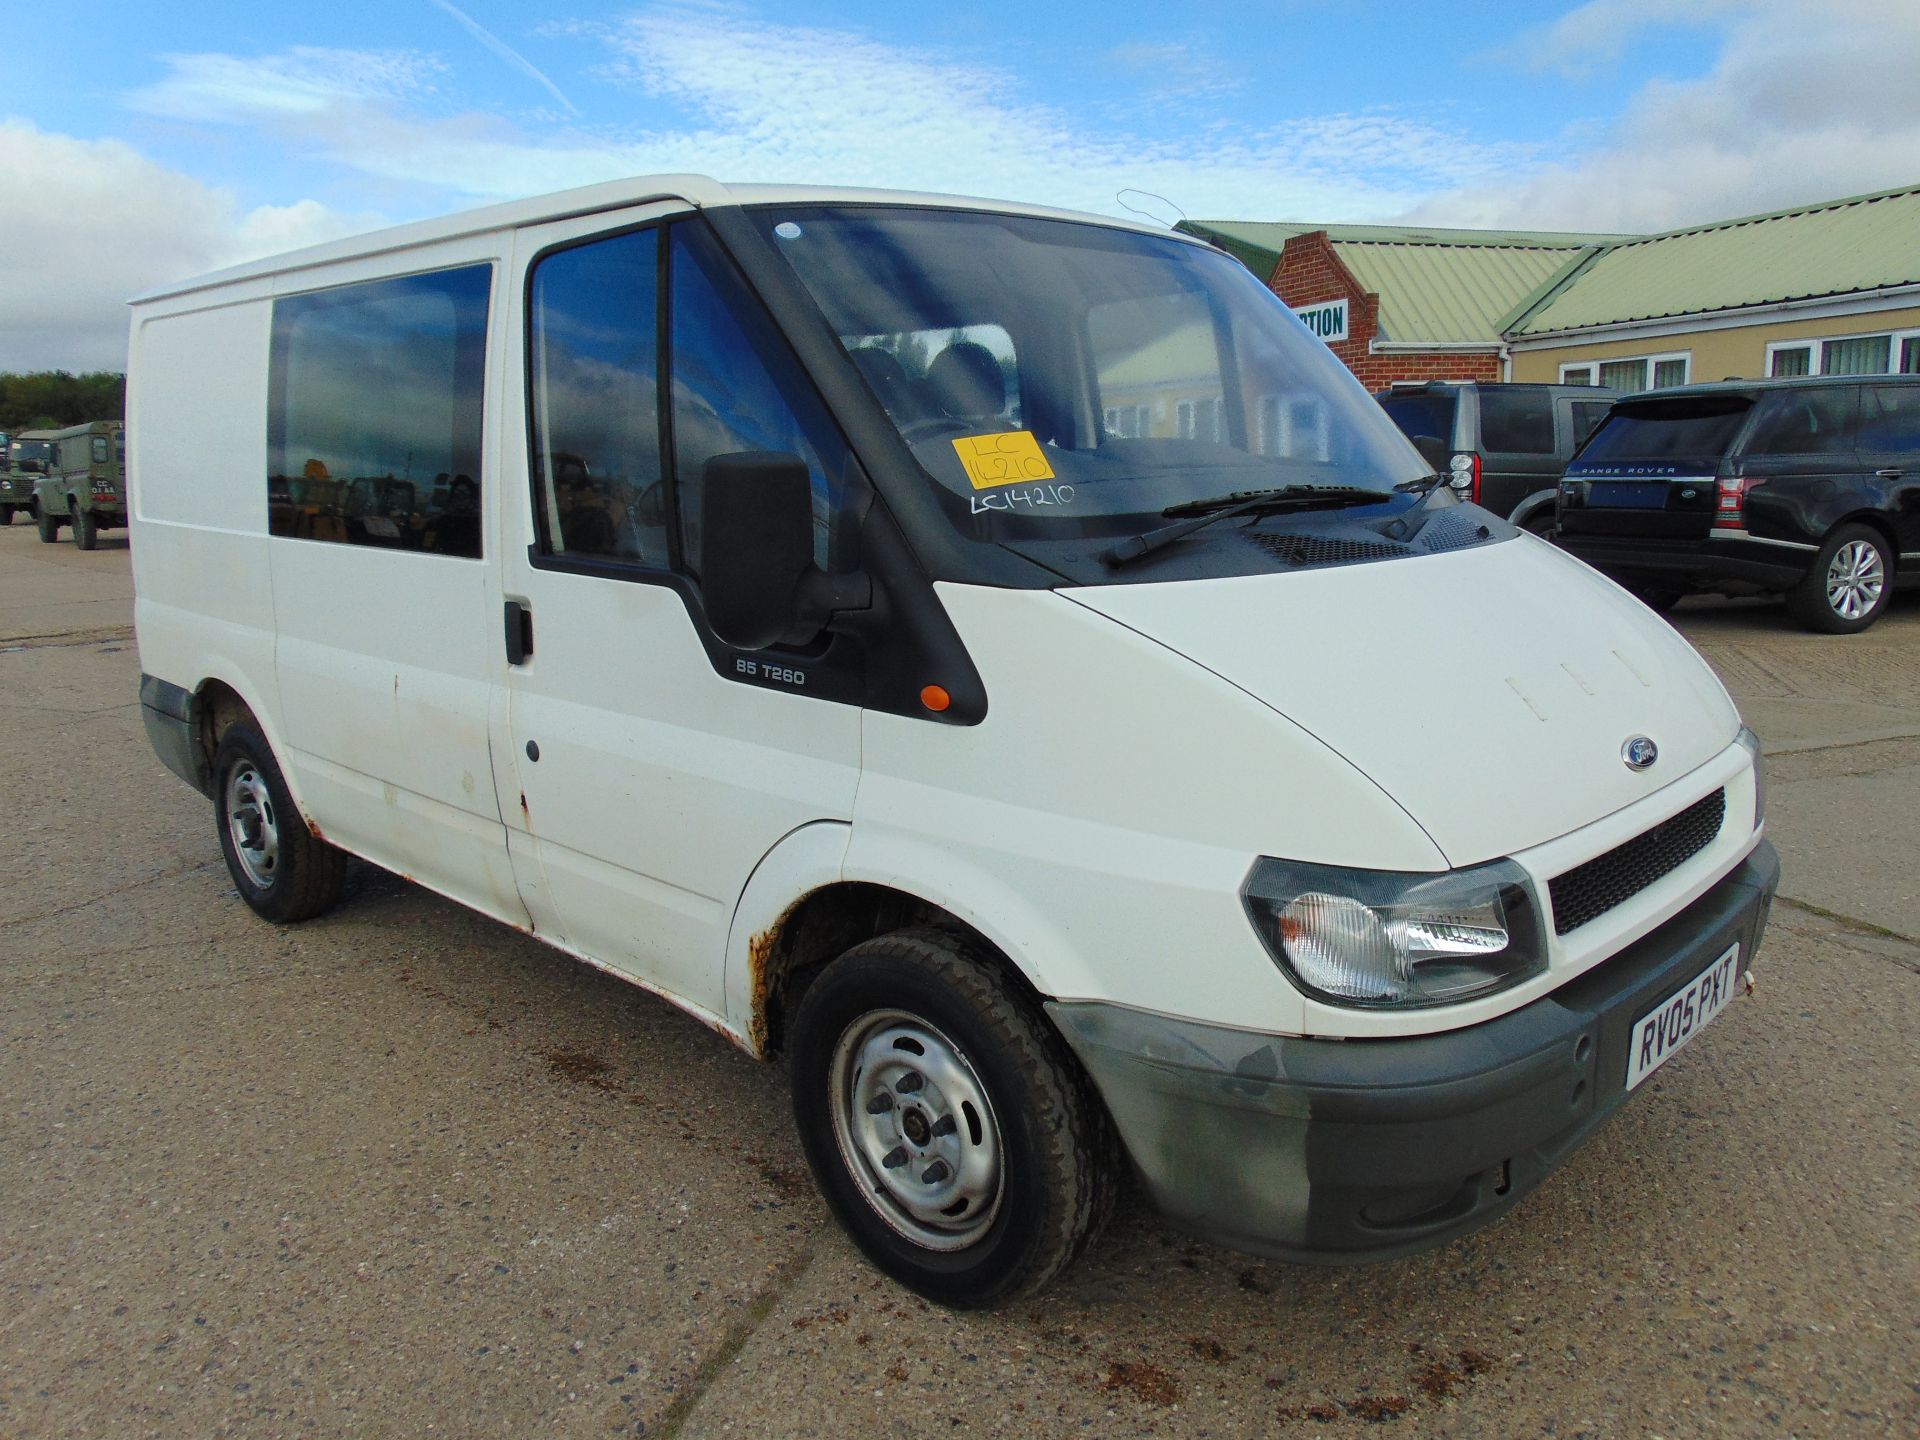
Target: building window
column 1201, row 420
column 1631, row 372
column 1130, row 422
column 1895, row 351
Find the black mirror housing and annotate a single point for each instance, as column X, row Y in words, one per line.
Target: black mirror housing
column 757, row 574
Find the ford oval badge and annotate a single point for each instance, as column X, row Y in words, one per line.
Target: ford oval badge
column 1639, row 752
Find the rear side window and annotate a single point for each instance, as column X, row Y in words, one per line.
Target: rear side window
column 1516, row 422
column 374, row 413
column 1890, row 418
column 1422, row 412
column 1697, row 428
column 1808, row 422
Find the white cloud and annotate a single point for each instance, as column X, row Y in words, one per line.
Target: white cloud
column 756, row 100
column 84, row 224
column 1803, row 104
column 1594, row 35
column 305, row 80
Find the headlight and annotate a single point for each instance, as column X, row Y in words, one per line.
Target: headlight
column 1376, row 939
column 1750, row 742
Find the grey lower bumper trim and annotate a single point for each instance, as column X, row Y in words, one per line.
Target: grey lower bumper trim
column 172, row 718
column 1330, row 1150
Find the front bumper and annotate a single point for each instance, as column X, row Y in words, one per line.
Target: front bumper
column 1351, row 1150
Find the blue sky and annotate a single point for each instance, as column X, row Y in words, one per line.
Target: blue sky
column 146, row 142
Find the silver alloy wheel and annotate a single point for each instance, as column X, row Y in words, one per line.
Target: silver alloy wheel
column 251, row 825
column 915, row 1129
column 1856, row 576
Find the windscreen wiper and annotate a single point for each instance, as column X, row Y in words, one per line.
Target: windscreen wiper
column 1242, row 502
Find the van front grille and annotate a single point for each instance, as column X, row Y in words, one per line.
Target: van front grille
column 1589, row 890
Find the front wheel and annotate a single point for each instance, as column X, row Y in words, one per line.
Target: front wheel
column 86, row 530
column 947, row 1125
column 6, row 514
column 48, row 524
column 280, row 867
column 1848, row 585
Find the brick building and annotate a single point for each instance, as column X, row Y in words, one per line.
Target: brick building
column 1824, row 289
column 1405, row 302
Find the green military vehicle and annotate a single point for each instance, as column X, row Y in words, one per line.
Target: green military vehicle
column 29, row 457
column 86, row 485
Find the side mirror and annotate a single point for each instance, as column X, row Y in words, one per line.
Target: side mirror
column 757, row 574
column 1434, row 451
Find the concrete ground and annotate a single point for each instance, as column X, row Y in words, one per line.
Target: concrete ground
column 402, row 1171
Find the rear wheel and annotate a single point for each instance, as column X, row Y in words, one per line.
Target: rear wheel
column 1848, row 585
column 86, row 530
column 949, row 1128
column 280, row 867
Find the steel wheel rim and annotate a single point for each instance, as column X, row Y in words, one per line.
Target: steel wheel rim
column 907, row 1105
column 1856, row 578
column 252, row 825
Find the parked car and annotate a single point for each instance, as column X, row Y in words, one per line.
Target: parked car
column 29, row 456
column 1050, row 796
column 85, row 486
column 1808, row 488
column 1504, row 445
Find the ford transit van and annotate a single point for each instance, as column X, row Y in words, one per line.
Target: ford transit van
column 996, row 659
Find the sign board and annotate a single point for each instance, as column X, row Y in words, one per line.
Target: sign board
column 1328, row 319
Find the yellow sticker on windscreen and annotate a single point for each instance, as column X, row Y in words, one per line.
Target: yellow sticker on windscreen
column 1005, row 459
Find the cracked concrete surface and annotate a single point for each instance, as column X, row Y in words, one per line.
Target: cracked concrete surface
column 402, row 1171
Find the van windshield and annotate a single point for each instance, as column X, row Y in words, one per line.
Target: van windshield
column 1064, row 379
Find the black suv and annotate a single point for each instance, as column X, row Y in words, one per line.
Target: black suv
column 1505, row 444
column 1807, row 487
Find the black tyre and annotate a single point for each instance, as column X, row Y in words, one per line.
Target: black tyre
column 6, row 514
column 281, row 868
column 86, row 530
column 1848, row 585
column 950, row 1130
column 48, row 525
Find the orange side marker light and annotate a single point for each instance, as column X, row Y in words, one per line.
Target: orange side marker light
column 935, row 698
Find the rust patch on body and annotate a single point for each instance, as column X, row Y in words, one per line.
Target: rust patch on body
column 525, row 814
column 762, row 976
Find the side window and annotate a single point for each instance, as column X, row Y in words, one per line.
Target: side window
column 1808, row 422
column 374, row 413
column 1516, row 422
column 735, row 387
column 594, row 339
column 1891, row 418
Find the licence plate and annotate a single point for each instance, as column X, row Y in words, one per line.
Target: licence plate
column 1637, row 495
column 1676, row 1020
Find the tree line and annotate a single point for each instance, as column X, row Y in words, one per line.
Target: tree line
column 53, row 399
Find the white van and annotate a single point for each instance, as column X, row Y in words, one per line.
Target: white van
column 996, row 658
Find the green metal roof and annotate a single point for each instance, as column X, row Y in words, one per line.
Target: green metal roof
column 1436, row 286
column 1841, row 247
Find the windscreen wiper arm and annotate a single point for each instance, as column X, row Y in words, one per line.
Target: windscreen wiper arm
column 1225, row 507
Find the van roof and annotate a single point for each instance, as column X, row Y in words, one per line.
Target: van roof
column 700, row 191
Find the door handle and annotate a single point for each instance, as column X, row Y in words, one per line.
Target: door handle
column 519, row 625
column 1889, row 474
